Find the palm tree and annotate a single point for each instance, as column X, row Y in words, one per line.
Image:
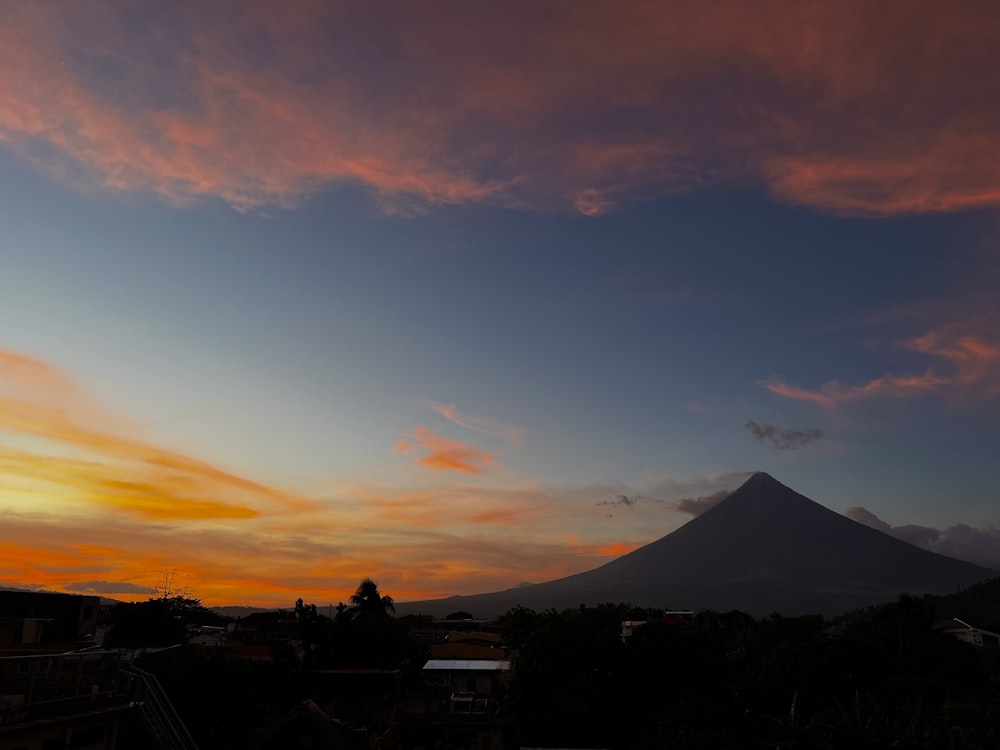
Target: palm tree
column 368, row 602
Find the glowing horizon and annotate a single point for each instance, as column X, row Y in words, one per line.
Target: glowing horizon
column 458, row 296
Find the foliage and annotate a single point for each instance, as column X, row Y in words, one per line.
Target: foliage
column 157, row 622
column 979, row 604
column 727, row 680
column 362, row 635
column 368, row 602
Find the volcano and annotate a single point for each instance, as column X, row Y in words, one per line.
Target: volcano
column 763, row 549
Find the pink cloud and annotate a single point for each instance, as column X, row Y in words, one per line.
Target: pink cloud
column 967, row 366
column 428, row 104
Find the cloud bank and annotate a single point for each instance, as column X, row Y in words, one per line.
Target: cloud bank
column 975, row 545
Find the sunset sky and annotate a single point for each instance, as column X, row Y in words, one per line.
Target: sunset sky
column 458, row 295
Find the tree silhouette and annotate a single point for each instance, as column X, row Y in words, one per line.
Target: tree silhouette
column 368, row 602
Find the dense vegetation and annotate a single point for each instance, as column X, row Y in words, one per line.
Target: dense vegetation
column 884, row 679
column 875, row 679
column 157, row 622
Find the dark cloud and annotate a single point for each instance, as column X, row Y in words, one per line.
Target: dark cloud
column 976, row 545
column 108, row 587
column 694, row 506
column 627, row 501
column 698, row 505
column 783, row 439
column 695, row 495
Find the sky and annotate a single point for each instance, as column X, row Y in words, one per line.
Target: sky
column 461, row 295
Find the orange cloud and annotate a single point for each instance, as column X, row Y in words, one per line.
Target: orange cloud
column 972, row 370
column 225, row 566
column 40, row 403
column 443, row 454
column 594, row 110
column 614, row 549
column 88, row 505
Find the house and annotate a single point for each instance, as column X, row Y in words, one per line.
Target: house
column 207, row 635
column 40, row 621
column 463, row 704
column 671, row 617
column 971, row 634
column 470, row 686
column 77, row 700
column 363, row 702
column 469, row 645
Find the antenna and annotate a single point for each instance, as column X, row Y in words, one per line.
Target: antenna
column 166, row 584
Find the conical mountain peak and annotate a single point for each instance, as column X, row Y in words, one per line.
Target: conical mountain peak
column 764, row 497
column 764, row 548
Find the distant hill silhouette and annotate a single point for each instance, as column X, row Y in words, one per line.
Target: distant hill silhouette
column 237, row 611
column 764, row 549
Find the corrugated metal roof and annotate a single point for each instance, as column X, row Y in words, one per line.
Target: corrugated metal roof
column 474, row 665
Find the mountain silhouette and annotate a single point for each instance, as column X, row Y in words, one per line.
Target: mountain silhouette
column 763, row 549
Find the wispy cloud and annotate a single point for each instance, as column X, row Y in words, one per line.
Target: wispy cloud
column 783, row 439
column 444, row 454
column 477, row 424
column 258, row 109
column 971, row 369
column 91, row 506
column 628, row 501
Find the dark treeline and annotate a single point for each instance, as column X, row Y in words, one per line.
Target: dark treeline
column 875, row 679
column 884, row 679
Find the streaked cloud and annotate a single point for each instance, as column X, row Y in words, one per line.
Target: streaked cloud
column 258, row 109
column 783, row 439
column 477, row 424
column 966, row 366
column 614, row 549
column 42, row 407
column 90, row 506
column 443, row 454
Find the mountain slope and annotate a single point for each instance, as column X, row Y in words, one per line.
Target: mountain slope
column 764, row 548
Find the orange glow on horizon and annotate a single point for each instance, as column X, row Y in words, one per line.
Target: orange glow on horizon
column 90, row 509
